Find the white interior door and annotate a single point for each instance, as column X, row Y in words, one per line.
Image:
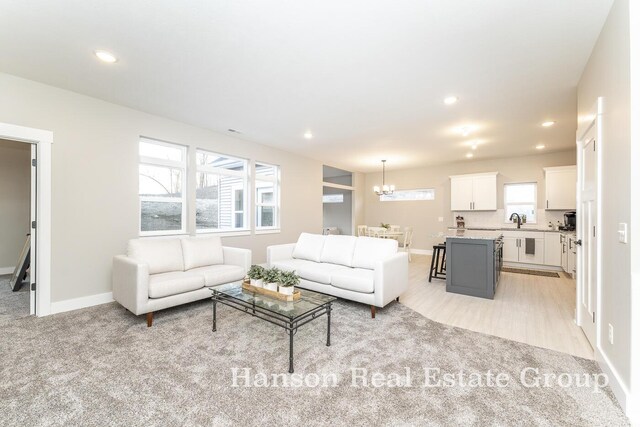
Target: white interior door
column 33, row 210
column 587, row 270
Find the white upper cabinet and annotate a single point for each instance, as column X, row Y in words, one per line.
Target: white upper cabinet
column 560, row 188
column 477, row 192
column 461, row 193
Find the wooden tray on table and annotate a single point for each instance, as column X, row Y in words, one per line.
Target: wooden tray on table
column 273, row 294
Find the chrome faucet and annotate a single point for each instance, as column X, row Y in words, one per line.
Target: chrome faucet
column 519, row 219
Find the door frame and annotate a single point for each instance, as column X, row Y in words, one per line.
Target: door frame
column 42, row 139
column 594, row 119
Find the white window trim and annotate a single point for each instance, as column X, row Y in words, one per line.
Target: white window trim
column 525, row 202
column 224, row 232
column 276, row 181
column 152, row 161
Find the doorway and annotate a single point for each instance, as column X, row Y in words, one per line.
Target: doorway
column 588, row 213
column 337, row 201
column 38, row 144
column 15, row 229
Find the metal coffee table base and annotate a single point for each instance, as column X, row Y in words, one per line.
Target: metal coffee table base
column 290, row 325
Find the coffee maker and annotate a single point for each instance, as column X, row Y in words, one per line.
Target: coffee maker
column 569, row 221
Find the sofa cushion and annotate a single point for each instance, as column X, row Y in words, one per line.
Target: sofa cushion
column 176, row 282
column 160, row 254
column 201, row 251
column 370, row 250
column 291, row 264
column 319, row 272
column 219, row 274
column 339, row 250
column 354, row 279
column 309, row 247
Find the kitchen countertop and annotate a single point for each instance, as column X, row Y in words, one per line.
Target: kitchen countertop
column 546, row 230
column 473, row 234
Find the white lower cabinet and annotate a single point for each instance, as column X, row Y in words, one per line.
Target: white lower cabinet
column 571, row 255
column 515, row 247
column 553, row 249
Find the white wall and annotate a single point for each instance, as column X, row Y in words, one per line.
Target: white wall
column 15, row 198
column 339, row 214
column 423, row 215
column 95, row 179
column 607, row 74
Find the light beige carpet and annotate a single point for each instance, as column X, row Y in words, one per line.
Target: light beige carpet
column 102, row 366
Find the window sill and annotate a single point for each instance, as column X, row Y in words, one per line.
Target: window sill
column 225, row 233
column 267, row 231
column 162, row 233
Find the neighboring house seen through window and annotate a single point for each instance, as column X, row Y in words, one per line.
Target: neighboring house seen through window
column 161, row 187
column 267, row 196
column 221, row 183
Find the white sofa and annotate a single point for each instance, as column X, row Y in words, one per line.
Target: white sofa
column 158, row 273
column 362, row 269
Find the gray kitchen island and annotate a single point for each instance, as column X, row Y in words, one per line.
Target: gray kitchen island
column 474, row 261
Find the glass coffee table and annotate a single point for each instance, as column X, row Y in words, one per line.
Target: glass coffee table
column 288, row 315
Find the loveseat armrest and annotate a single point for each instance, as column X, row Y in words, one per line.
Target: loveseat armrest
column 237, row 256
column 391, row 278
column 130, row 280
column 279, row 253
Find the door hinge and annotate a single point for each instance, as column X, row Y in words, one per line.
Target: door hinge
column 594, row 145
column 593, row 315
column 33, row 224
column 33, row 286
column 34, row 162
column 594, row 231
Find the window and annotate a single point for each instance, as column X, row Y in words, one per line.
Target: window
column 410, row 195
column 161, row 187
column 333, row 198
column 267, row 196
column 521, row 199
column 221, row 183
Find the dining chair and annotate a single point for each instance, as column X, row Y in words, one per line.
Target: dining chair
column 375, row 231
column 362, row 230
column 408, row 238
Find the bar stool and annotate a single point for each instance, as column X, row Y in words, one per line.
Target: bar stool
column 438, row 268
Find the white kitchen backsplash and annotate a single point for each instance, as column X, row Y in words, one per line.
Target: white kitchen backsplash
column 496, row 219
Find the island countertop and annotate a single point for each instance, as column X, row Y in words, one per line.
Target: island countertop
column 473, row 234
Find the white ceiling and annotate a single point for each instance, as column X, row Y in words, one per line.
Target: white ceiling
column 367, row 77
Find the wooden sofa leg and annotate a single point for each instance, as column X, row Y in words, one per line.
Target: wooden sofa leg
column 373, row 311
column 149, row 319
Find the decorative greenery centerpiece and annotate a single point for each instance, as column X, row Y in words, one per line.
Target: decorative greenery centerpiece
column 288, row 281
column 385, row 226
column 256, row 275
column 271, row 279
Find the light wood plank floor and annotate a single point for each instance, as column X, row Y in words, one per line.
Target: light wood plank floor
column 535, row 310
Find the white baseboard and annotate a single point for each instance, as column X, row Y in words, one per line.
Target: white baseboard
column 422, row 251
column 6, row 270
column 78, row 303
column 618, row 387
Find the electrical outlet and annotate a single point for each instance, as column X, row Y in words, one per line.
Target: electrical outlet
column 610, row 334
column 440, row 219
column 622, row 232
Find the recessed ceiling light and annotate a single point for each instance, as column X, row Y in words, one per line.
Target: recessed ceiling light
column 548, row 124
column 105, row 56
column 474, row 146
column 308, row 135
column 450, row 100
column 540, row 147
column 465, row 130
column 469, row 155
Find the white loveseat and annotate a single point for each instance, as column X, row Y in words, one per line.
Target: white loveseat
column 362, row 269
column 158, row 273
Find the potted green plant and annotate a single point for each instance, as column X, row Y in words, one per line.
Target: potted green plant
column 271, row 278
column 256, row 275
column 524, row 219
column 288, row 282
